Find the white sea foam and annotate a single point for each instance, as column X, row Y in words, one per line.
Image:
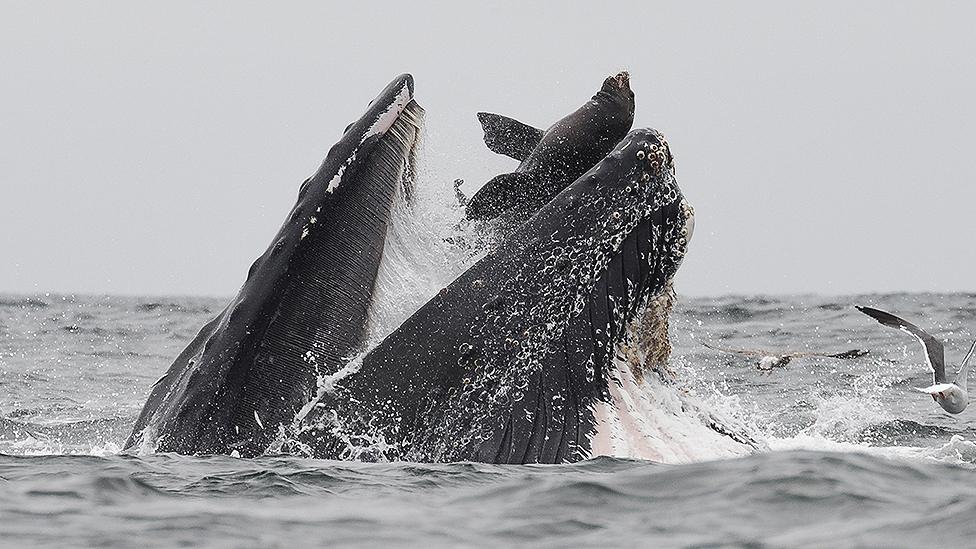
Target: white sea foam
column 31, row 445
column 839, row 422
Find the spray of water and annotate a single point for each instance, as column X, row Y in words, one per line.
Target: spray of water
column 428, row 245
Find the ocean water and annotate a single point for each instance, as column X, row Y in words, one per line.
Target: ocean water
column 850, row 454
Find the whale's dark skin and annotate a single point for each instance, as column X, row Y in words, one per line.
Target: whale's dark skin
column 552, row 159
column 302, row 309
column 506, row 364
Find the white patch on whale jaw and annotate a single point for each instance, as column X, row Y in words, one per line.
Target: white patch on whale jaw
column 403, row 121
column 337, row 178
column 386, row 119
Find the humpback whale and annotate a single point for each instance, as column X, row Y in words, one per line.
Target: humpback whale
column 511, row 361
column 551, row 159
column 303, row 307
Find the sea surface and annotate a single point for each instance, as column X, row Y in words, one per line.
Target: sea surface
column 851, row 454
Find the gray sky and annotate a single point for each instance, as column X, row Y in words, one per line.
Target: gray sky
column 155, row 149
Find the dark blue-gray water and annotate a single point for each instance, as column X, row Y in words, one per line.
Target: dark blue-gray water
column 855, row 456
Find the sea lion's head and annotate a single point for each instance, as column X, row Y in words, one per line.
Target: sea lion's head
column 617, row 89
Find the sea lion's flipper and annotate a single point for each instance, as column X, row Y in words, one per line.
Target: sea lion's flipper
column 501, row 194
column 508, row 136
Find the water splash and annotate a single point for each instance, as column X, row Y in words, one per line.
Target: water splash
column 427, row 246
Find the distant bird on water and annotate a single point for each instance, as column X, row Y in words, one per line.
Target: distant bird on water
column 767, row 360
column 953, row 396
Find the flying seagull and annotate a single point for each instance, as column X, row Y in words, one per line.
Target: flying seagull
column 951, row 396
column 767, row 360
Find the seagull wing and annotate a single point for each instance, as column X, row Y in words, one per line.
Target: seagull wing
column 935, row 389
column 744, row 352
column 963, row 376
column 853, row 353
column 934, row 351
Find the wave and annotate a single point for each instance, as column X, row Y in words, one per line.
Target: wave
column 898, row 432
column 98, row 436
column 23, row 302
column 174, row 307
column 755, row 500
